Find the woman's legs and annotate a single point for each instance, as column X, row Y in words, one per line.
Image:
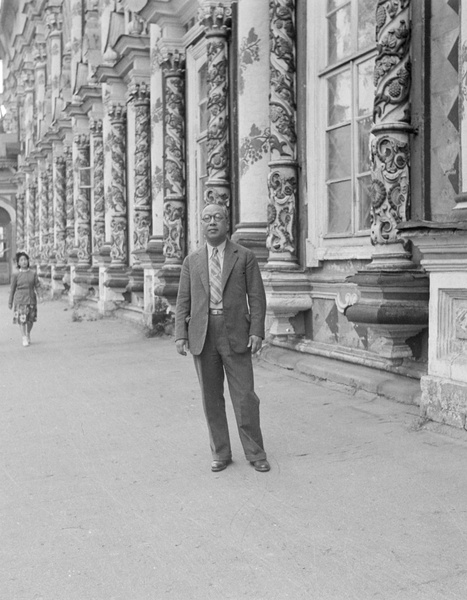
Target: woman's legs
column 24, row 333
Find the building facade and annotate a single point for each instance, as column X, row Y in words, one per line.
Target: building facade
column 332, row 130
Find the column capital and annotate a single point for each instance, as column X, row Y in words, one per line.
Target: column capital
column 215, row 17
column 139, row 93
column 81, row 140
column 171, row 61
column 95, row 127
column 117, row 112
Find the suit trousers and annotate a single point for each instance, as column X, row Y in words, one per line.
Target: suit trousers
column 215, row 358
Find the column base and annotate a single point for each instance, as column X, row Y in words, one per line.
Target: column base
column 167, row 288
column 288, row 298
column 58, row 287
column 79, row 290
column 393, row 305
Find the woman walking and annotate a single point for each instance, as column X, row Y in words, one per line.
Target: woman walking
column 23, row 298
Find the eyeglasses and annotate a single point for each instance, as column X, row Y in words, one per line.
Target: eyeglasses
column 217, row 218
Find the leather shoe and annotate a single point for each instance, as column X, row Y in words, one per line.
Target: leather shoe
column 261, row 465
column 220, row 465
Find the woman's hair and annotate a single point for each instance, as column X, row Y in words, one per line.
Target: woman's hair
column 19, row 255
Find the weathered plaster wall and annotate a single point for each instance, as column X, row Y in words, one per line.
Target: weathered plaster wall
column 444, row 108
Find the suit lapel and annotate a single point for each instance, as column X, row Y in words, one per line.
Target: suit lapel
column 202, row 266
column 230, row 258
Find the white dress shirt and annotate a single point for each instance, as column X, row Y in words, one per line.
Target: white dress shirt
column 221, row 252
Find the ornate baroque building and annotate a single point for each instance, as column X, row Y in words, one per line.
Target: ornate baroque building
column 332, row 130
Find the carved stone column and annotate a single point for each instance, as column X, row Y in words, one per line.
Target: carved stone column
column 287, row 290
column 173, row 69
column 142, row 200
column 32, row 217
column 58, row 269
column 20, row 221
column 142, row 208
column 282, row 180
column 392, row 293
column 50, row 213
column 83, row 203
column 36, row 236
column 216, row 19
column 44, row 218
column 98, row 192
column 116, row 277
column 70, row 206
column 119, row 215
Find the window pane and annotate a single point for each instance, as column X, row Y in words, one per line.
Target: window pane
column 339, row 153
column 366, row 87
column 339, row 98
column 364, row 127
column 366, row 23
column 203, row 82
column 203, row 91
column 364, row 193
column 203, row 116
column 339, row 34
column 339, row 207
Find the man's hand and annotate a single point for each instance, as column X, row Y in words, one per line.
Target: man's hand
column 182, row 346
column 255, row 343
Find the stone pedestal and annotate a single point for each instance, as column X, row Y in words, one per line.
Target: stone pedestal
column 78, row 288
column 109, row 297
column 394, row 307
column 58, row 288
column 444, row 389
column 287, row 298
column 151, row 261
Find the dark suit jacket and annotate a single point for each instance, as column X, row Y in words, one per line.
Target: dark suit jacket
column 243, row 299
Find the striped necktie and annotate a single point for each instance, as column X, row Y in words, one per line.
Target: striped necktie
column 215, row 277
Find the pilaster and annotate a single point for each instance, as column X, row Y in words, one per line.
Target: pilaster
column 253, row 126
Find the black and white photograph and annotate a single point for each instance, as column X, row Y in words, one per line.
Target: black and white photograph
column 233, row 299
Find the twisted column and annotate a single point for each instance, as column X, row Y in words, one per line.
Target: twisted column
column 173, row 69
column 60, row 210
column 390, row 135
column 281, row 238
column 32, row 190
column 50, row 213
column 98, row 204
column 119, row 215
column 20, row 221
column 83, row 202
column 44, row 215
column 70, row 206
column 216, row 19
column 139, row 95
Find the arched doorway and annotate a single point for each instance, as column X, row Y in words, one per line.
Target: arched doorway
column 5, row 246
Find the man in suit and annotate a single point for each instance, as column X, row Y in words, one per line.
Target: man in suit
column 221, row 307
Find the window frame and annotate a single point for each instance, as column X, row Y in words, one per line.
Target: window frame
column 196, row 58
column 321, row 245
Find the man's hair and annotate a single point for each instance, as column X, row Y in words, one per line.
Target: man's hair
column 223, row 209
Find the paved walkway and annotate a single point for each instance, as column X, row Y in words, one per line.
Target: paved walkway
column 106, row 491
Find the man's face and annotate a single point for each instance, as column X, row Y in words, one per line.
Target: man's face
column 214, row 224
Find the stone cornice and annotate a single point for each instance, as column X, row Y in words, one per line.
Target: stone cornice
column 134, row 53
